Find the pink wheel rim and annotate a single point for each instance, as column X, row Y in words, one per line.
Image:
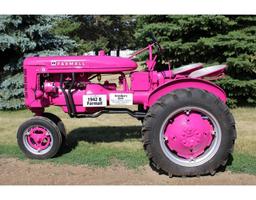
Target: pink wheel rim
column 190, row 136
column 37, row 139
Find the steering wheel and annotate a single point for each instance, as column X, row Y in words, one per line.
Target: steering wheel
column 152, row 36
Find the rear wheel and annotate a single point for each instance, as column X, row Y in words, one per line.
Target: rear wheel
column 39, row 138
column 188, row 132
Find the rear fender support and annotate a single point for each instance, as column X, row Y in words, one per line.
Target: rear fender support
column 186, row 83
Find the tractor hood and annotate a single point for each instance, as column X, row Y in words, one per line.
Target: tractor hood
column 92, row 63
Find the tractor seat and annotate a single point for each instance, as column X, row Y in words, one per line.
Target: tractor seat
column 186, row 69
column 208, row 71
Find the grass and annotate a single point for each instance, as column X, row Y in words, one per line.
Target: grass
column 244, row 163
column 87, row 154
column 92, row 142
column 115, row 139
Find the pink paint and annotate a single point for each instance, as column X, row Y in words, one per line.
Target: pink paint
column 86, row 64
column 42, row 80
column 186, row 83
column 188, row 135
column 49, row 87
column 101, row 53
column 38, row 138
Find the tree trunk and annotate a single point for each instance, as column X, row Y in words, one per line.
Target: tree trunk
column 118, row 51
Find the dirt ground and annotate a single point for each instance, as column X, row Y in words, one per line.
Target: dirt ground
column 14, row 171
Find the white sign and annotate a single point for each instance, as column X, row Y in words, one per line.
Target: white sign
column 94, row 100
column 120, row 99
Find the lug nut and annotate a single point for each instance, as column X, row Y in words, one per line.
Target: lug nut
column 187, row 112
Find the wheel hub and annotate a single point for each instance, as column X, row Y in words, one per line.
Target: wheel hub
column 189, row 134
column 38, row 138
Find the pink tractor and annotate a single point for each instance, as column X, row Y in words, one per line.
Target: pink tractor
column 187, row 128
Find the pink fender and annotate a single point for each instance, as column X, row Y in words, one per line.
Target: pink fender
column 186, row 83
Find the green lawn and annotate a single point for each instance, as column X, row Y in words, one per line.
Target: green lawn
column 115, row 139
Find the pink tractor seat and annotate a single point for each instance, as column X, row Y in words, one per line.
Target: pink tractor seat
column 208, row 71
column 186, row 69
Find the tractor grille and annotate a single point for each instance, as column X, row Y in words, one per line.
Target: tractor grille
column 25, row 83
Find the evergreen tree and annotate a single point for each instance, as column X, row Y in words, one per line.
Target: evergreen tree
column 96, row 32
column 22, row 36
column 211, row 40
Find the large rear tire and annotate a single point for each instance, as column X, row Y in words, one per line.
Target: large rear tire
column 188, row 132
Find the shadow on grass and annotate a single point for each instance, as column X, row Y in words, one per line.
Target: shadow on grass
column 107, row 134
column 99, row 134
column 229, row 163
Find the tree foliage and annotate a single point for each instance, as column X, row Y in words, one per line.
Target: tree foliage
column 211, row 40
column 96, row 32
column 22, row 36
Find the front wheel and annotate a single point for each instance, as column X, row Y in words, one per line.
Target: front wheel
column 60, row 126
column 188, row 132
column 39, row 138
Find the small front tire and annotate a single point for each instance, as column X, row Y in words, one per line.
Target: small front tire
column 39, row 138
column 59, row 124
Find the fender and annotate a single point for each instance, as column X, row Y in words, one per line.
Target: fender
column 186, row 83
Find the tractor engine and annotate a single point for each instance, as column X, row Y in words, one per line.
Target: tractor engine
column 65, row 81
column 65, row 90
